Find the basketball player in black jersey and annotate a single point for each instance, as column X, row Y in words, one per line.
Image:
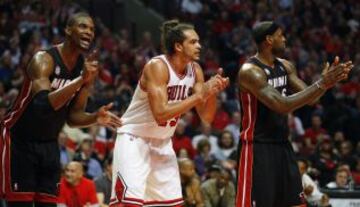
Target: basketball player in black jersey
column 55, row 91
column 268, row 175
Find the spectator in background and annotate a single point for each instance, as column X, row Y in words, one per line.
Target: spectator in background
column 6, row 67
column 204, row 159
column 226, row 145
column 66, row 154
column 312, row 193
column 222, row 118
column 146, row 48
column 103, row 184
column 325, row 160
column 341, row 180
column 313, row 134
column 213, row 172
column 190, row 184
column 339, row 138
column 234, row 126
column 85, row 154
column 295, row 126
column 220, row 191
column 181, row 141
column 346, row 154
column 206, row 133
column 3, row 109
column 191, row 6
column 356, row 173
column 190, row 124
column 75, row 189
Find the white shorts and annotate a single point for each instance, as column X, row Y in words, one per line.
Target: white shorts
column 145, row 173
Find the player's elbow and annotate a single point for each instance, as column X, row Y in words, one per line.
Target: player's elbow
column 160, row 117
column 281, row 107
column 71, row 119
column 207, row 119
column 71, row 123
column 285, row 111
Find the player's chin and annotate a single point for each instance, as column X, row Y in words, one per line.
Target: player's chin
column 196, row 57
column 83, row 46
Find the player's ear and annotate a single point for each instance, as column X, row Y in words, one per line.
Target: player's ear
column 269, row 39
column 178, row 47
column 67, row 31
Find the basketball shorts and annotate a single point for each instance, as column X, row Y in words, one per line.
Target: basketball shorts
column 268, row 176
column 145, row 173
column 30, row 171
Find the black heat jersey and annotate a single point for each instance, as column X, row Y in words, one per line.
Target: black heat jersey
column 267, row 174
column 23, row 121
column 30, row 164
column 261, row 124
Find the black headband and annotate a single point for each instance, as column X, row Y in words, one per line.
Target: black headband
column 262, row 29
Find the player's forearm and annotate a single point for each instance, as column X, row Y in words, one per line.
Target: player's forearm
column 81, row 119
column 61, row 96
column 78, row 117
column 173, row 110
column 302, row 86
column 308, row 95
column 207, row 110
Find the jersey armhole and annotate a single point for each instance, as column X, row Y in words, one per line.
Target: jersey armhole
column 167, row 67
column 193, row 70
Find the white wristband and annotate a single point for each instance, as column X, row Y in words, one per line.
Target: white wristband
column 319, row 86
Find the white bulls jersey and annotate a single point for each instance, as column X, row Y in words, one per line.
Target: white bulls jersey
column 138, row 119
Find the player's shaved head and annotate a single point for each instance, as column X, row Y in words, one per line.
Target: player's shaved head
column 262, row 29
column 71, row 21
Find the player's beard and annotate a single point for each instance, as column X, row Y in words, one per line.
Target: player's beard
column 278, row 51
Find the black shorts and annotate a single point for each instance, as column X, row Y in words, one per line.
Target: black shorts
column 268, row 176
column 31, row 170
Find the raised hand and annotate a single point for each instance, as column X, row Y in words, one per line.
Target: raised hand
column 214, row 85
column 91, row 67
column 222, row 81
column 107, row 118
column 334, row 73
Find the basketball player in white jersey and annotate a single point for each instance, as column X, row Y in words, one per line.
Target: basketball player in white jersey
column 145, row 170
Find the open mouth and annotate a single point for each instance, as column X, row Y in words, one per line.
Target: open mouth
column 85, row 40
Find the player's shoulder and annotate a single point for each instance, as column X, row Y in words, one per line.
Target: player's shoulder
column 156, row 67
column 156, row 62
column 43, row 56
column 195, row 65
column 286, row 63
column 249, row 73
column 41, row 63
column 249, row 67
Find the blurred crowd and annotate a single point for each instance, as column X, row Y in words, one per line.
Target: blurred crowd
column 325, row 136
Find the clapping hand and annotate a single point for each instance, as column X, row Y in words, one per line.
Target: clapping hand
column 106, row 118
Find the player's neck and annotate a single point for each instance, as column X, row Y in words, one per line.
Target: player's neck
column 266, row 57
column 177, row 63
column 69, row 54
